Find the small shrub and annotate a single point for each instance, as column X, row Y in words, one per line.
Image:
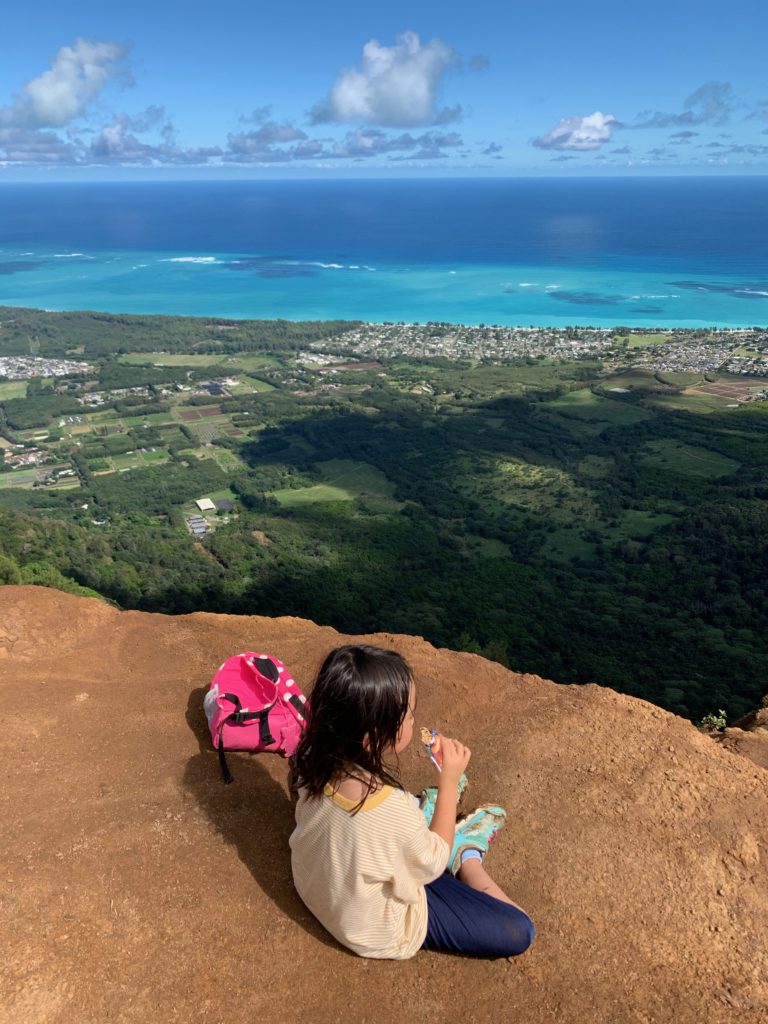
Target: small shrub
column 714, row 722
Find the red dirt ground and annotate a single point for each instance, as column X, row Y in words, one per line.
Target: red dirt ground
column 137, row 888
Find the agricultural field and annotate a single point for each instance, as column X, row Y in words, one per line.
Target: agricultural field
column 733, row 389
column 19, row 478
column 137, row 459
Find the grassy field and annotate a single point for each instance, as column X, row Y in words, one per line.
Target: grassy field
column 362, row 480
column 158, row 455
column 481, row 381
column 343, row 480
column 635, row 523
column 227, row 460
column 643, row 340
column 225, row 492
column 311, row 495
column 12, row 389
column 688, row 460
column 694, row 403
column 630, row 379
column 134, row 460
column 679, row 380
column 257, row 384
column 245, row 362
column 585, row 404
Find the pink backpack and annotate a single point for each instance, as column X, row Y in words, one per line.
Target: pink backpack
column 254, row 704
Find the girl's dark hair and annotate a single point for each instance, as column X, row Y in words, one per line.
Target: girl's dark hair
column 356, row 708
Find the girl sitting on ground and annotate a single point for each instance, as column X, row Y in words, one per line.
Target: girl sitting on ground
column 385, row 873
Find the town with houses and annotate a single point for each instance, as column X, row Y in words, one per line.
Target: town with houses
column 743, row 351
column 740, row 354
column 25, row 367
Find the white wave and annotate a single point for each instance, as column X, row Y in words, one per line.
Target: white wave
column 66, row 255
column 527, row 284
column 330, row 266
column 451, row 271
column 749, row 291
column 140, row 266
column 353, row 266
column 635, row 297
column 551, row 287
column 191, row 259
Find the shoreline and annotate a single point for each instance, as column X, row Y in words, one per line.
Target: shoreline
column 574, row 322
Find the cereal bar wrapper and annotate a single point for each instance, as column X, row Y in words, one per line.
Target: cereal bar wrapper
column 433, row 747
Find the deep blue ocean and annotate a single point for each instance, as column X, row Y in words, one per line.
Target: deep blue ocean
column 644, row 251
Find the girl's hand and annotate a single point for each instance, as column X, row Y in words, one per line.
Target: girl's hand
column 455, row 759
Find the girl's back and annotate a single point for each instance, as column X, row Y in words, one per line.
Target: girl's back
column 362, row 871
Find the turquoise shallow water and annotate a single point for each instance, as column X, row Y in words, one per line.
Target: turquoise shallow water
column 203, row 284
column 641, row 253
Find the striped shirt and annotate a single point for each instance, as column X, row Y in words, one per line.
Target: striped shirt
column 363, row 875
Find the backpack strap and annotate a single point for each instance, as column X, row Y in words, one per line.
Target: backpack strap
column 238, row 717
column 226, row 774
column 299, row 706
column 268, row 668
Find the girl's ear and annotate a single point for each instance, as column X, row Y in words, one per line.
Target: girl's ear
column 366, row 743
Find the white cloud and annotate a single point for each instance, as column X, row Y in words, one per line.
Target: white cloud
column 579, row 133
column 118, row 143
column 370, row 142
column 282, row 143
column 20, row 146
column 393, row 85
column 258, row 146
column 75, row 78
column 711, row 103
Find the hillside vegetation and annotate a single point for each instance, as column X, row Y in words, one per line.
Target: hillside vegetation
column 579, row 519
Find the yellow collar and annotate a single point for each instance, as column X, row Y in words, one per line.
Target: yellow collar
column 372, row 801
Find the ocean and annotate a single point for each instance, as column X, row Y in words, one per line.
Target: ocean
column 677, row 252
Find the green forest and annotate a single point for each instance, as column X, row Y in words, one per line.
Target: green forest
column 584, row 522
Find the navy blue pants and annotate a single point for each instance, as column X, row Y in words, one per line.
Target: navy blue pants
column 463, row 920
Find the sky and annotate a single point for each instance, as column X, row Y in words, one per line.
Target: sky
column 230, row 89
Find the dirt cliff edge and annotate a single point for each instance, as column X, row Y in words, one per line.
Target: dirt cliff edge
column 136, row 887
